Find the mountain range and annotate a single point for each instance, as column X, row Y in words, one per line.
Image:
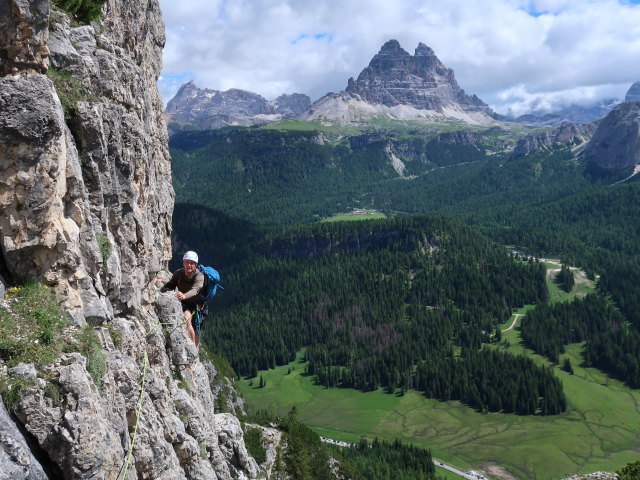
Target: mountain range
column 395, row 85
column 208, row 109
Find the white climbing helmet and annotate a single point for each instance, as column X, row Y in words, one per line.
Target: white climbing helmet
column 190, row 255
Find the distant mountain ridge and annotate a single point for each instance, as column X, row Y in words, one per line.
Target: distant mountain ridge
column 572, row 114
column 209, row 109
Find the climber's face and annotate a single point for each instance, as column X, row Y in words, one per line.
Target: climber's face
column 189, row 267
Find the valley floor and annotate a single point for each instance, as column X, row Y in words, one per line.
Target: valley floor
column 598, row 432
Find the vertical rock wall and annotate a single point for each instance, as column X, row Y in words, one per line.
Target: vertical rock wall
column 85, row 182
column 85, row 207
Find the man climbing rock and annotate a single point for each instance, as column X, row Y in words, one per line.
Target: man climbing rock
column 189, row 282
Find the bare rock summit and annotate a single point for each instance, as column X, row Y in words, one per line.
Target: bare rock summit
column 399, row 85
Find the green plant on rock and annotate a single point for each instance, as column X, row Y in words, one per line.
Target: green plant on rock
column 253, row 442
column 89, row 346
column 70, row 91
column 84, row 11
column 630, row 472
column 30, row 330
column 53, row 391
column 105, row 246
column 11, row 390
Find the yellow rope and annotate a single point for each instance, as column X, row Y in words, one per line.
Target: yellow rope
column 142, row 384
column 135, row 429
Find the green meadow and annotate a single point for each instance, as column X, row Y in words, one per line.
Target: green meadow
column 357, row 215
column 599, row 430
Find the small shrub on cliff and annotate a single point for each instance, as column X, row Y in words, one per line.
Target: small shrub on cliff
column 105, row 247
column 84, row 11
column 89, row 346
column 70, row 91
column 630, row 472
column 253, row 441
column 11, row 390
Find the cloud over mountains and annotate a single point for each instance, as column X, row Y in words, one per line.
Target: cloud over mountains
column 514, row 54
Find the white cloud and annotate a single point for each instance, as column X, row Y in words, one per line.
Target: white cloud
column 497, row 48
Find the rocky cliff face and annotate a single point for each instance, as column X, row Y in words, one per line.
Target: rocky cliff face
column 86, row 202
column 633, row 95
column 85, row 186
column 210, row 109
column 616, row 143
column 398, row 85
column 567, row 134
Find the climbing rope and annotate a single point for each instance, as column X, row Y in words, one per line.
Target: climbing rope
column 140, row 398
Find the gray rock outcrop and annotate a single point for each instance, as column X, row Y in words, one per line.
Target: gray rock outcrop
column 23, row 42
column 398, row 85
column 568, row 134
column 16, row 459
column 209, row 109
column 633, row 94
column 85, row 208
column 615, row 145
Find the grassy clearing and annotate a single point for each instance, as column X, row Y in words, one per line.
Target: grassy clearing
column 356, row 215
column 598, row 432
column 305, row 125
column 446, row 474
column 582, row 286
column 33, row 329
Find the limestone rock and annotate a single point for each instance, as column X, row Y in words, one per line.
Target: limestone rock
column 633, row 95
column 23, row 41
column 85, row 207
column 86, row 194
column 16, row 459
column 402, row 86
column 568, row 134
column 615, row 145
column 231, row 441
column 594, row 476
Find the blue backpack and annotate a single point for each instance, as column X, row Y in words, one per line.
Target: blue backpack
column 211, row 279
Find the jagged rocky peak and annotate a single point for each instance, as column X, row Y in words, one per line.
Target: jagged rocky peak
column 616, row 143
column 633, row 95
column 206, row 108
column 193, row 102
column 402, row 86
column 394, row 77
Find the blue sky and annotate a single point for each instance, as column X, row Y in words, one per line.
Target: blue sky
column 516, row 55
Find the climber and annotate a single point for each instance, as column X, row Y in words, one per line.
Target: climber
column 189, row 283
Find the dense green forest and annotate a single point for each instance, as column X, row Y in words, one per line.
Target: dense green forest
column 308, row 458
column 280, row 176
column 381, row 460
